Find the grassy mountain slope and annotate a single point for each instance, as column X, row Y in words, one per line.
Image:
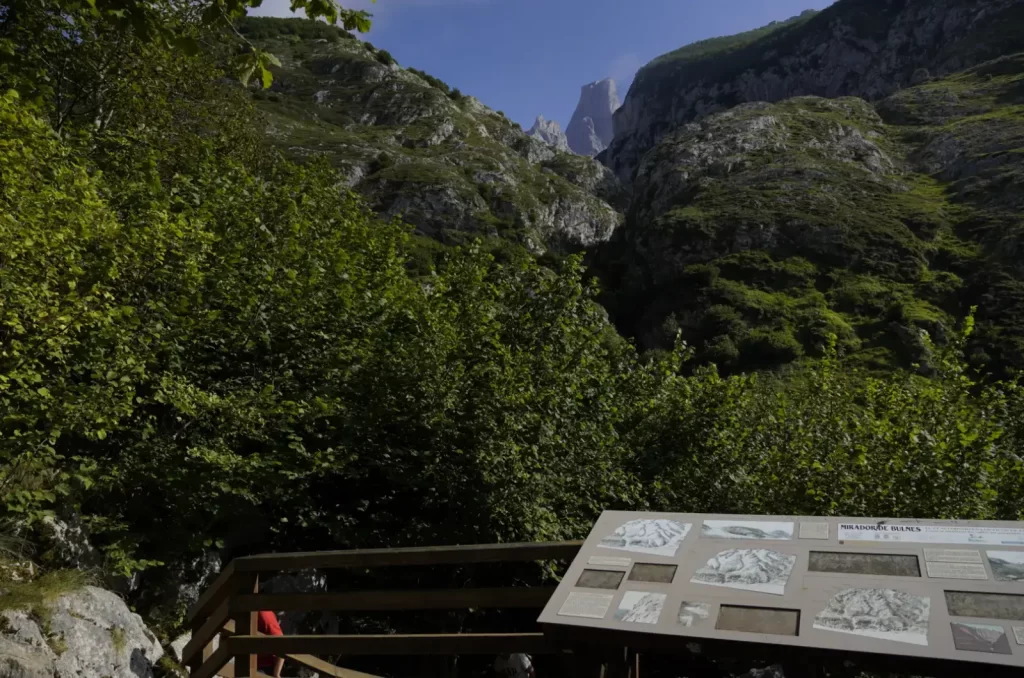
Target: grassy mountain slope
column 760, row 231
column 867, row 48
column 417, row 149
column 717, row 48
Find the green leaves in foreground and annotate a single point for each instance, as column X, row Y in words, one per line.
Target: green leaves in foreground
column 169, row 24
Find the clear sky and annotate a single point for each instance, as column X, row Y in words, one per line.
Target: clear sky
column 530, row 57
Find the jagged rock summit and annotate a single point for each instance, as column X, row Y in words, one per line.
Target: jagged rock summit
column 550, row 132
column 590, row 131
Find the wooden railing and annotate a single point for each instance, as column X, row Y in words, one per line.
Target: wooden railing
column 233, row 600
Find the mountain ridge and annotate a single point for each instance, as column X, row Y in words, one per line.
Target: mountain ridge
column 419, row 150
column 760, row 229
column 852, row 48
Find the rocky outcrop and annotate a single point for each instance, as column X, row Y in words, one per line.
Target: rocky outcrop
column 550, row 132
column 420, row 151
column 853, row 48
column 591, row 129
column 749, row 227
column 87, row 633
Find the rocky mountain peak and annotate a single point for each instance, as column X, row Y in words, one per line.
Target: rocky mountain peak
column 550, row 132
column 591, row 130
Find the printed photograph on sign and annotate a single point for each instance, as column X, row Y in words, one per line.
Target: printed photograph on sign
column 640, row 607
column 980, row 638
column 746, row 529
column 886, row 614
column 689, row 613
column 1007, row 565
column 589, row 605
column 761, row 570
column 658, row 537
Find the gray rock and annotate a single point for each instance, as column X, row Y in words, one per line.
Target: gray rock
column 441, row 133
column 591, row 129
column 833, row 54
column 196, row 577
column 23, row 661
column 88, row 633
column 102, row 636
column 537, row 150
column 67, row 543
column 550, row 132
column 179, row 643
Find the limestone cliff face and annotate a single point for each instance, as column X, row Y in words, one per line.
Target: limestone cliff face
column 550, row 132
column 416, row 149
column 865, row 48
column 591, row 128
column 761, row 231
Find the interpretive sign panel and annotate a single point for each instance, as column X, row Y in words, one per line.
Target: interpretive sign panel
column 932, row 534
column 946, row 591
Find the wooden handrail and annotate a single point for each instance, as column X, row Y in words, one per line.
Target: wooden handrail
column 393, row 644
column 437, row 555
column 232, row 597
column 446, row 599
column 205, row 634
column 213, row 595
column 421, row 555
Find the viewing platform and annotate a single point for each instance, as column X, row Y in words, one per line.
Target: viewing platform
column 924, row 597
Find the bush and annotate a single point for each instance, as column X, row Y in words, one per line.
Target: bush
column 431, row 80
column 385, row 57
column 262, row 28
column 831, row 440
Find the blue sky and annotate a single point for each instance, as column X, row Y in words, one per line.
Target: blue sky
column 530, row 57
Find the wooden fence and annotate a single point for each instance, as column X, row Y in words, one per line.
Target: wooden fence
column 228, row 609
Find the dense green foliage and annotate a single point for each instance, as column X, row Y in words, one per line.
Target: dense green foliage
column 266, row 28
column 206, row 346
column 30, row 30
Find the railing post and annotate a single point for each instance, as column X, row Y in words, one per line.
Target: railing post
column 245, row 622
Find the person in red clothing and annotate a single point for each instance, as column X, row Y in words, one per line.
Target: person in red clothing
column 267, row 625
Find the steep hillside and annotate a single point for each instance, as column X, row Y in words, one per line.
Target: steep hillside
column 417, row 149
column 867, row 48
column 761, row 230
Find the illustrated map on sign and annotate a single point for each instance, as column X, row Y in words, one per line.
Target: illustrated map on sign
column 654, row 537
column 944, row 590
column 751, row 569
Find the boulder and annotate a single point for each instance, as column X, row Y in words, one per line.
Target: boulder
column 90, row 632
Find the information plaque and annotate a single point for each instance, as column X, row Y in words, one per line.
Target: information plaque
column 947, row 591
